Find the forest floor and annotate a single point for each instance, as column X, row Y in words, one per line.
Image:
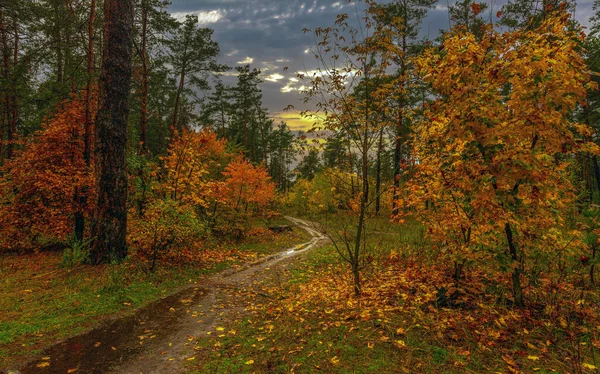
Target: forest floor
column 291, row 313
column 44, row 303
column 304, row 318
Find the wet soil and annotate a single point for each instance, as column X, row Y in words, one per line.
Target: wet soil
column 160, row 337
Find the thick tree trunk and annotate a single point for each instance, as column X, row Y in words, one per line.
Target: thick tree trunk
column 110, row 216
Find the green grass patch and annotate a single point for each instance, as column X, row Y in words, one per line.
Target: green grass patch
column 44, row 302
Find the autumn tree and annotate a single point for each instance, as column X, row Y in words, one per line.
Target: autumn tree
column 191, row 158
column 110, row 215
column 37, row 189
column 495, row 149
column 247, row 190
column 349, row 87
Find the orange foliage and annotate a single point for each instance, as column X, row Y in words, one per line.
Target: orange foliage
column 39, row 184
column 191, row 159
column 493, row 180
column 247, row 186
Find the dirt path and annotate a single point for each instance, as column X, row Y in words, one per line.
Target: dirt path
column 159, row 338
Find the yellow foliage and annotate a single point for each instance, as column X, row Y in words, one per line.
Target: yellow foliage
column 495, row 149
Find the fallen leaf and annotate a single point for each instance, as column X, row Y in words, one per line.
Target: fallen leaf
column 335, row 360
column 97, row 344
column 249, row 362
column 533, row 358
column 43, row 364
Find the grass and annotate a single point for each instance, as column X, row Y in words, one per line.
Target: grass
column 312, row 323
column 43, row 302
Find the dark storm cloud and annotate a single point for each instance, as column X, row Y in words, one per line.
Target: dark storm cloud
column 269, row 34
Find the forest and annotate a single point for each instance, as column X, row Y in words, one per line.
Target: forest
column 439, row 212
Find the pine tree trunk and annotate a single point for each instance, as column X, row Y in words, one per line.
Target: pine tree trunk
column 110, row 216
column 145, row 73
column 177, row 100
column 5, row 75
column 12, row 128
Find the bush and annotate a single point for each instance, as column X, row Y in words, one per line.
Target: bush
column 168, row 231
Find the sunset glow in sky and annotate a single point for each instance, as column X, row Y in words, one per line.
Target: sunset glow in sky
column 267, row 34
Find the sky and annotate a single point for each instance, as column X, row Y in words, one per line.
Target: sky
column 267, row 34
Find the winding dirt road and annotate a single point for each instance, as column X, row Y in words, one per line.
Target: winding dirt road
column 159, row 338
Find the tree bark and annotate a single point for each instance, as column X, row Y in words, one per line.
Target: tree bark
column 110, row 215
column 5, row 75
column 596, row 171
column 516, row 274
column 12, row 128
column 378, row 176
column 80, row 196
column 144, row 104
column 399, row 124
column 177, row 100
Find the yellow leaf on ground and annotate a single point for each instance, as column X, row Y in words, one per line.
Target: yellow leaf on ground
column 71, row 370
column 335, row 360
column 249, row 362
column 97, row 344
column 220, row 329
column 533, row 358
column 589, row 366
column 43, row 364
column 191, row 358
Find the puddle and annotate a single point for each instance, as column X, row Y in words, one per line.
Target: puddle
column 114, row 343
column 121, row 344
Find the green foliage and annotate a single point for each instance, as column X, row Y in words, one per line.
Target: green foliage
column 75, row 253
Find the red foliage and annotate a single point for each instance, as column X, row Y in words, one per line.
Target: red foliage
column 38, row 186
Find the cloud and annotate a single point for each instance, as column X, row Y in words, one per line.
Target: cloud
column 270, row 31
column 247, row 60
column 204, row 17
column 274, row 77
